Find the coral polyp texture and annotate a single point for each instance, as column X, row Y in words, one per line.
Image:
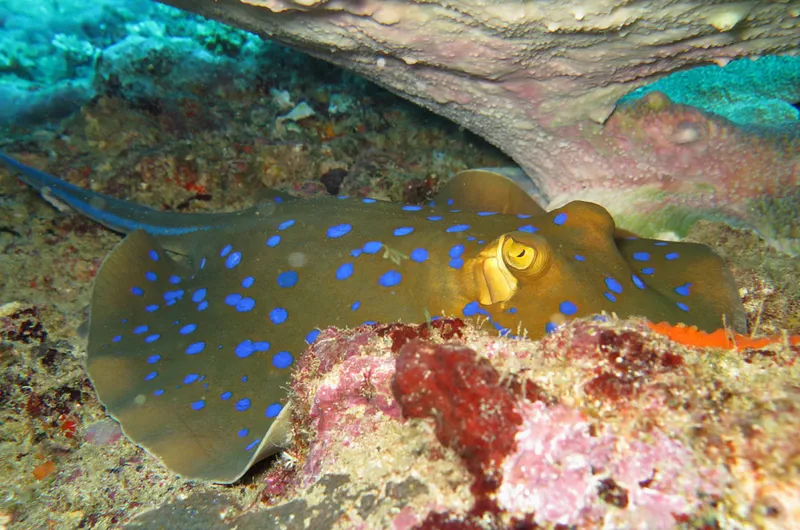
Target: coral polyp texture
column 599, row 425
column 541, row 79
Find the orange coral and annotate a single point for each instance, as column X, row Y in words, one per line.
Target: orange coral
column 721, row 338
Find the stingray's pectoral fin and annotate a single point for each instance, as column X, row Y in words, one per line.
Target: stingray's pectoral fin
column 492, row 190
column 153, row 359
column 689, row 277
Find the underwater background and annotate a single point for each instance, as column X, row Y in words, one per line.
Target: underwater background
column 148, row 103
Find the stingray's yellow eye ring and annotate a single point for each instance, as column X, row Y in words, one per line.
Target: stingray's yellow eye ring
column 523, row 254
column 518, row 255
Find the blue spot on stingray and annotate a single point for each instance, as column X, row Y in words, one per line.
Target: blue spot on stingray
column 195, row 348
column 435, row 218
column 252, row 445
column 550, row 327
column 419, row 255
column 286, row 224
column 158, row 392
column 368, row 323
column 682, row 306
column 344, row 271
column 273, row 410
column 202, row 305
column 341, row 197
column 245, row 304
column 368, row 200
column 672, row 255
column 151, row 276
column 225, row 396
column 456, row 263
column 199, row 404
column 456, row 251
column 282, row 359
column 174, row 280
column 139, row 329
column 339, row 230
column 600, row 318
column 528, row 228
column 578, row 257
column 312, row 336
column 403, row 231
column 137, row 291
column 203, row 263
column 355, row 305
column 261, row 345
column 511, row 310
column 648, row 271
column 199, row 295
column 486, row 214
column 356, row 252
column 233, row 299
column 683, row 290
column 153, row 255
column 273, row 241
column 390, row 278
column 372, row 247
column 449, row 202
column 457, row 228
column 471, row 309
column 637, row 281
column 278, row 199
column 287, row 279
column 243, row 404
column 455, row 211
column 641, row 256
column 244, row 379
column 278, row 315
column 661, row 243
column 153, row 359
column 244, row 349
column 173, row 295
column 471, row 238
column 248, row 282
column 523, row 216
column 611, row 297
column 225, row 250
column 567, row 308
column 242, row 433
column 152, row 338
column 116, row 338
column 233, row 260
column 152, row 308
column 171, row 302
column 560, row 219
column 412, row 208
column 191, row 378
column 151, row 376
column 613, row 285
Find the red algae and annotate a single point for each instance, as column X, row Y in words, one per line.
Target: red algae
column 476, row 415
column 400, row 334
column 628, row 362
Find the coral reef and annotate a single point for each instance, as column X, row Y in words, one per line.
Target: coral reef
column 758, row 93
column 632, row 425
column 539, row 81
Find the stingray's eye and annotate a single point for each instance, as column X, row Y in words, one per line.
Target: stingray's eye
column 518, row 255
column 525, row 256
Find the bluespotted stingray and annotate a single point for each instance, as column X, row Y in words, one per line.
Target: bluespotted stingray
column 197, row 319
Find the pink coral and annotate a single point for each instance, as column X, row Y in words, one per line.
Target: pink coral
column 568, row 471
